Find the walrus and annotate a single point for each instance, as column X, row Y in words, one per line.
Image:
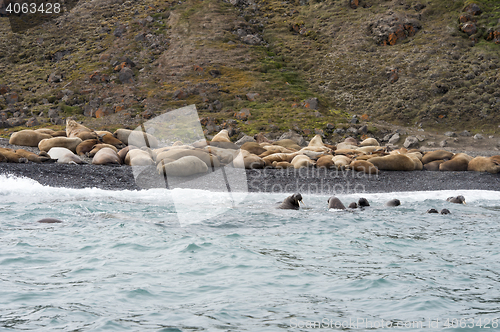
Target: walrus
column 60, row 142
column 100, row 146
column 65, row 156
column 432, row 211
column 282, row 165
column 351, row 141
column 27, row 138
column 369, row 142
column 302, row 161
column 248, row 160
column 483, row 164
column 363, row 166
column 458, row 162
column 185, row 166
column 73, row 128
column 399, row 162
column 108, row 138
column 316, row 141
column 345, row 146
column 362, row 202
column 135, row 137
column 393, row 202
column 436, row 155
column 123, row 152
column 225, row 156
column 86, row 146
column 335, row 203
column 341, row 161
column 10, row 156
column 33, row 157
column 353, row 205
column 225, row 145
column 275, row 157
column 138, row 157
column 445, row 211
column 49, row 221
column 106, row 156
column 325, row 162
column 86, row 135
column 288, row 143
column 207, row 158
column 291, row 202
column 433, row 165
column 48, row 131
column 253, row 147
column 222, row 136
column 458, row 199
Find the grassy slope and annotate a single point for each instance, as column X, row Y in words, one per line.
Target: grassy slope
column 335, row 59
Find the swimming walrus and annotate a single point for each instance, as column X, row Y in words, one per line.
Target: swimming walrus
column 362, row 202
column 291, row 202
column 353, row 205
column 335, row 203
column 458, row 199
column 393, row 202
column 49, row 221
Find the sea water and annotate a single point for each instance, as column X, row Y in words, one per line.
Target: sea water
column 121, row 260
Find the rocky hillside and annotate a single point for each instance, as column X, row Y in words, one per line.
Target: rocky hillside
column 252, row 66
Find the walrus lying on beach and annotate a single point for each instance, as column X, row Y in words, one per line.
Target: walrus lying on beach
column 458, row 162
column 136, row 137
column 10, row 156
column 27, row 138
column 59, row 142
column 106, row 156
column 484, row 164
column 73, row 129
column 64, row 156
column 33, row 157
column 185, row 166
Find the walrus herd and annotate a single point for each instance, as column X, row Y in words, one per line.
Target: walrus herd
column 137, row 148
column 291, row 203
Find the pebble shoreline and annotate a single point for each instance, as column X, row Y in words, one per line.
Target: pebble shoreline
column 312, row 181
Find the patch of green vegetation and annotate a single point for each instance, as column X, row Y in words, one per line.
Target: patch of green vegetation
column 71, row 110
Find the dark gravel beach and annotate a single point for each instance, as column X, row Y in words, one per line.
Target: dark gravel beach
column 316, row 181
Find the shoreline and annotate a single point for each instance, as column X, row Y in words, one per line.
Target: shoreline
column 311, row 181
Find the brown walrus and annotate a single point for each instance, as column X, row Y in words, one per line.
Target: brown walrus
column 398, row 162
column 483, row 164
column 291, row 202
column 335, row 203
column 436, row 155
column 458, row 162
column 27, row 138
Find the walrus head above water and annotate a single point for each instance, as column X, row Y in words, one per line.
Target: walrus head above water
column 291, row 202
column 459, row 199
